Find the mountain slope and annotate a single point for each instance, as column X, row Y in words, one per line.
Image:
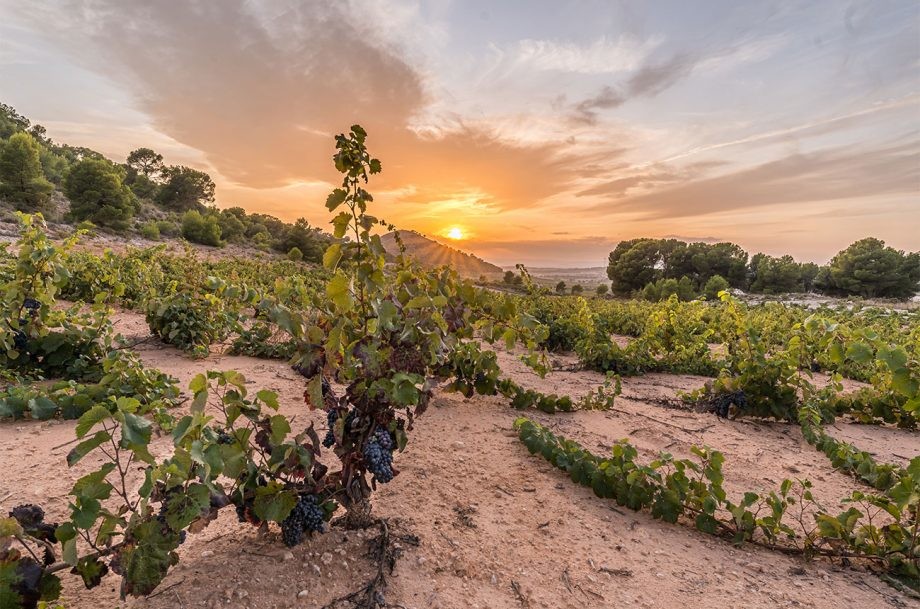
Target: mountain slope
column 430, row 253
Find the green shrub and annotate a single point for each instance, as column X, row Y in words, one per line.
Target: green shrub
column 86, row 226
column 265, row 341
column 191, row 322
column 168, row 229
column 201, row 229
column 97, row 194
column 21, row 179
column 295, row 254
column 716, row 284
column 151, row 231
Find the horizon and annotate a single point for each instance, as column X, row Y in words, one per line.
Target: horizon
column 784, row 129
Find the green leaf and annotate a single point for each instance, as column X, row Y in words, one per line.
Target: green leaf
column 91, row 418
column 10, row 527
column 836, row 353
column 859, row 352
column 273, row 504
column 340, row 224
column 49, row 587
column 87, row 446
column 42, row 408
column 270, row 398
column 93, row 485
column 336, row 198
column 280, row 428
column 339, row 292
column 146, row 559
column 136, row 430
column 315, row 391
column 903, row 382
column 332, row 256
column 182, row 508
column 198, row 384
column 895, row 358
column 418, row 302
column 9, row 596
column 91, row 569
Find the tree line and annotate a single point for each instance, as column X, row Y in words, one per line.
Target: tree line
column 657, row 268
column 142, row 195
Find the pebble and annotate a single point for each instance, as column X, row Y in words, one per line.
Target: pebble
column 303, row 594
column 326, row 558
column 288, row 556
column 207, row 554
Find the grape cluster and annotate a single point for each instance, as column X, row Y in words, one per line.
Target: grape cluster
column 20, row 340
column 307, row 516
column 31, row 304
column 721, row 404
column 224, row 438
column 378, row 455
column 331, row 418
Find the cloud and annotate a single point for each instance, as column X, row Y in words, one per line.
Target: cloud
column 261, row 88
column 606, row 99
column 647, row 178
column 602, row 56
column 845, row 172
column 648, row 80
column 812, row 128
column 652, row 79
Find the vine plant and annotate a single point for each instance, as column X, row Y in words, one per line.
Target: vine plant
column 372, row 347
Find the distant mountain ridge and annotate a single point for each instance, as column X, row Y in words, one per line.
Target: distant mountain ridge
column 429, row 253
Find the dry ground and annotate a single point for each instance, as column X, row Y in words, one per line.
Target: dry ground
column 488, row 514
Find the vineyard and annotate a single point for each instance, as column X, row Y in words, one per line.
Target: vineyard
column 179, row 432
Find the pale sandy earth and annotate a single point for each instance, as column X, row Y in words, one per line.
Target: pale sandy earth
column 487, row 513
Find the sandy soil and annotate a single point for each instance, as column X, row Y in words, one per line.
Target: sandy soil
column 488, row 515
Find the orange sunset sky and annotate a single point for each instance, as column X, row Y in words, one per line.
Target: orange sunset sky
column 540, row 132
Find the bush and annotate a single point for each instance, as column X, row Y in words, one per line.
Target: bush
column 86, row 226
column 201, row 229
column 191, row 322
column 21, row 179
column 232, row 228
column 295, row 254
column 167, row 228
column 151, row 231
column 716, row 284
column 602, row 289
column 97, row 194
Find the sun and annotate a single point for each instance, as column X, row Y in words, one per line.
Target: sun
column 455, row 233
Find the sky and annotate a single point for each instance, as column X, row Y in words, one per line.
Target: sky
column 544, row 131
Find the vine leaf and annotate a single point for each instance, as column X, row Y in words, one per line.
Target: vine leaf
column 91, row 569
column 273, row 504
column 146, row 557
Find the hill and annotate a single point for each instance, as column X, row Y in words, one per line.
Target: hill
column 429, row 253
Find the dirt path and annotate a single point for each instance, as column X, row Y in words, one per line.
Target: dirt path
column 488, row 515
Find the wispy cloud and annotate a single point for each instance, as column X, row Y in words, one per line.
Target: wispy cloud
column 826, row 175
column 602, row 56
column 908, row 101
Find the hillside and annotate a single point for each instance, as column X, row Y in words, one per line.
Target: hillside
column 429, row 253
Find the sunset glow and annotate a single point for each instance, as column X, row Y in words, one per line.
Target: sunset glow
column 787, row 128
